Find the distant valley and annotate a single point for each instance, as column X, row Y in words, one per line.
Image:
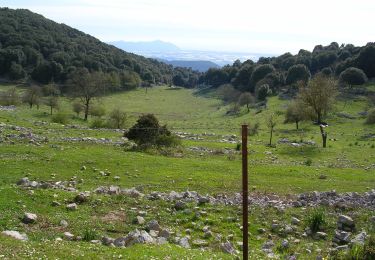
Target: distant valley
column 196, row 59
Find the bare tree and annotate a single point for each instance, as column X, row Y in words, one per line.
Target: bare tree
column 271, row 123
column 319, row 95
column 32, row 96
column 87, row 86
column 52, row 102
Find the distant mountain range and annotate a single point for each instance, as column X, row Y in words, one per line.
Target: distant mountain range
column 172, row 54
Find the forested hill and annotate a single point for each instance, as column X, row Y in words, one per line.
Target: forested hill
column 36, row 48
column 350, row 64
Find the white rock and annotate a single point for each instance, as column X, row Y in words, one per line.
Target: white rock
column 29, row 218
column 15, row 234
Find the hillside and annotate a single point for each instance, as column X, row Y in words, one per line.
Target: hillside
column 198, row 65
column 32, row 46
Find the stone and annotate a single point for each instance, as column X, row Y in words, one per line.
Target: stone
column 107, row 241
column 343, row 247
column 15, row 234
column 29, row 218
column 200, row 243
column 285, row 243
column 23, row 182
column 207, row 234
column 153, row 233
column 341, row 237
column 55, row 203
column 81, row 198
column 145, row 238
column 64, row 223
column 68, row 236
column 164, row 233
column 161, row 241
column 228, row 248
column 95, row 241
column 261, row 230
column 83, row 168
column 203, row 200
column 153, row 225
column 295, row 221
column 71, row 206
column 184, row 242
column 139, row 220
column 345, row 221
column 114, row 190
column 268, row 244
column 180, row 205
column 321, row 235
column 359, row 239
column 120, row 242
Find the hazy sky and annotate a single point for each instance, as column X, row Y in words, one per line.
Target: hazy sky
column 265, row 26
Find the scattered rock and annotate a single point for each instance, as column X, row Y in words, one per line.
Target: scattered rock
column 153, row 225
column 295, row 221
column 164, row 233
column 180, row 205
column 228, row 248
column 81, row 198
column 68, row 236
column 64, row 223
column 83, row 168
column 200, row 243
column 139, row 220
column 359, row 239
column 341, row 237
column 321, row 235
column 107, row 241
column 285, row 243
column 184, row 242
column 71, row 206
column 29, row 218
column 15, row 234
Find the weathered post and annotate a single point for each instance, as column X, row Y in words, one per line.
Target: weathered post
column 245, row 194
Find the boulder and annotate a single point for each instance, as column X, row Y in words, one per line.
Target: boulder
column 359, row 239
column 184, row 242
column 228, row 248
column 68, row 236
column 180, row 205
column 139, row 220
column 15, row 234
column 153, row 225
column 29, row 218
column 71, row 206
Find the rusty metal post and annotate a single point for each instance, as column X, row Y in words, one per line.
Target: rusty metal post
column 245, row 194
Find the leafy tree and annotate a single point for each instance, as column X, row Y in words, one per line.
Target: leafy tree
column 118, row 118
column 366, row 60
column 353, row 76
column 242, row 78
column 296, row 73
column 16, row 71
column 32, row 96
column 262, row 92
column 319, row 95
column 295, row 113
column 86, row 87
column 246, row 99
column 271, row 124
column 259, row 73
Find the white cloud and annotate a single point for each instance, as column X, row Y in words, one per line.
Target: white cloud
column 268, row 25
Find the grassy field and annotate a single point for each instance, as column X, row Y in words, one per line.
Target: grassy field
column 347, row 163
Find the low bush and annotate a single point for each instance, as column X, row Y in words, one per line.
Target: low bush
column 60, row 118
column 371, row 117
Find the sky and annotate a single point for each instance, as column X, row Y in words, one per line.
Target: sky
column 263, row 26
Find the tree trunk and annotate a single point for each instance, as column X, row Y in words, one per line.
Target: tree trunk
column 51, row 110
column 271, row 137
column 31, row 105
column 319, row 118
column 248, row 109
column 87, row 110
column 297, row 125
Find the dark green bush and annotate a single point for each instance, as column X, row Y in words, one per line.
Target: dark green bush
column 61, row 118
column 316, row 219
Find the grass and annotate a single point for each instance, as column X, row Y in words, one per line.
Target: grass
column 347, row 164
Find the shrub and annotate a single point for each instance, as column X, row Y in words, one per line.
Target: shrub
column 10, row 97
column 168, row 140
column 61, row 118
column 148, row 131
column 316, row 219
column 90, row 234
column 253, row 129
column 371, row 117
column 308, row 162
column 263, row 91
column 77, row 108
column 117, row 118
column 98, row 123
column 97, row 111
